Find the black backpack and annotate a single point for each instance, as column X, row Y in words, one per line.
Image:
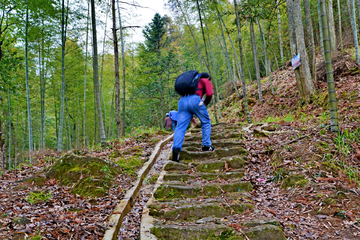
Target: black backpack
column 186, row 83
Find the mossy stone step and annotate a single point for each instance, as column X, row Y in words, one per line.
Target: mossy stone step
column 216, row 166
column 228, row 143
column 205, row 176
column 174, row 166
column 189, row 156
column 191, row 232
column 266, row 232
column 195, row 212
column 216, row 136
column 175, row 191
column 179, row 177
column 261, row 221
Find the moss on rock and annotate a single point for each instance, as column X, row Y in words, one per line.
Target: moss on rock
column 295, row 180
column 90, row 177
column 266, row 232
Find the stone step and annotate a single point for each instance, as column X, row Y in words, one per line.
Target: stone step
column 197, row 137
column 192, row 232
column 236, row 162
column 206, row 176
column 228, row 143
column 190, row 156
column 196, row 212
column 166, row 191
column 174, row 166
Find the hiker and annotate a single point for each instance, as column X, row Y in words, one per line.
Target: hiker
column 173, row 117
column 168, row 123
column 189, row 105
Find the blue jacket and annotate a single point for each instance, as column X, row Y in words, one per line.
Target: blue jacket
column 173, row 115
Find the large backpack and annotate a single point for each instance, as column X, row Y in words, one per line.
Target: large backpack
column 186, row 83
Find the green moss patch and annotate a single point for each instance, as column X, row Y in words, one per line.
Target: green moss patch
column 89, row 177
column 194, row 232
column 295, row 180
column 129, row 165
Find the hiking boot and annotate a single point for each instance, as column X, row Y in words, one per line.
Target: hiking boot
column 176, row 155
column 208, row 148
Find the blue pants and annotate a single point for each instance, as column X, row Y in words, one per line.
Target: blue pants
column 173, row 124
column 187, row 106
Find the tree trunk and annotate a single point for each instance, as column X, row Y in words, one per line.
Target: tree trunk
column 63, row 40
column 340, row 30
column 86, row 58
column 123, row 68
column 321, row 31
column 96, row 78
column 242, row 74
column 351, row 6
column 267, row 67
column 256, row 61
column 117, row 78
column 9, row 107
column 331, row 25
column 306, row 81
column 280, row 38
column 27, row 85
column 2, row 149
column 329, row 72
column 292, row 37
column 310, row 39
column 102, row 70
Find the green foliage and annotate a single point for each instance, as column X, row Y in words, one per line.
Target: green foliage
column 289, row 117
column 129, row 165
column 36, row 197
column 152, row 179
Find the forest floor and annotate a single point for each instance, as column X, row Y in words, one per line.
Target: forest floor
column 303, row 174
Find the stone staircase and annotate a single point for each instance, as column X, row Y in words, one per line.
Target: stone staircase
column 196, row 197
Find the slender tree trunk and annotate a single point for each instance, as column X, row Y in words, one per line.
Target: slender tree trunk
column 102, row 70
column 27, row 84
column 306, row 81
column 329, row 71
column 123, row 68
column 340, row 28
column 63, row 40
column 310, row 39
column 267, row 67
column 247, row 64
column 351, row 6
column 292, row 37
column 86, row 59
column 96, row 78
column 9, row 107
column 331, row 25
column 242, row 75
column 117, row 78
column 321, row 30
column 256, row 61
column 280, row 38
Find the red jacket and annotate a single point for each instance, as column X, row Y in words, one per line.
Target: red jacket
column 168, row 123
column 205, row 87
